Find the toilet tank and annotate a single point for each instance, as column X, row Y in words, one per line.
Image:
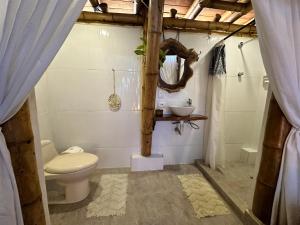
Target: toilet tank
column 48, row 150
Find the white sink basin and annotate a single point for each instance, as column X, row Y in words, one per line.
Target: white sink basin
column 182, row 110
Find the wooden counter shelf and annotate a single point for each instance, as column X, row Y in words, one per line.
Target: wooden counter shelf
column 171, row 117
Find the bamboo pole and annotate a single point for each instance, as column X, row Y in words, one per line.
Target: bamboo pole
column 114, row 18
column 150, row 77
column 206, row 26
column 228, row 6
column 20, row 141
column 144, row 11
column 195, row 9
column 168, row 23
column 277, row 130
column 247, row 9
column 217, row 4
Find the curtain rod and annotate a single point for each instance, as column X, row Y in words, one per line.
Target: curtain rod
column 238, row 30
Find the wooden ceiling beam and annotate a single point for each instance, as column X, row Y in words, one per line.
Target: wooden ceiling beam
column 228, row 6
column 199, row 5
column 168, row 23
column 205, row 26
column 246, row 9
column 194, row 10
column 111, row 18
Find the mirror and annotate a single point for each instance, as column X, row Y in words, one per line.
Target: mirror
column 176, row 70
column 172, row 69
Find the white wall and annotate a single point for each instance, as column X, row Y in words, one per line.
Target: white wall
column 187, row 147
column 244, row 100
column 43, row 108
column 72, row 96
column 245, row 97
column 78, row 84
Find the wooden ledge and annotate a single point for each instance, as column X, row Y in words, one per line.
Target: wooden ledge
column 171, row 117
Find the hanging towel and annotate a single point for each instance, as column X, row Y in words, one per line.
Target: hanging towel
column 73, row 149
column 217, row 63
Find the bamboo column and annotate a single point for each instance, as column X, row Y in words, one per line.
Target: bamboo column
column 20, row 141
column 150, row 76
column 277, row 130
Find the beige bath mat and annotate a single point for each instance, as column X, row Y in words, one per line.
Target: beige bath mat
column 112, row 200
column 202, row 196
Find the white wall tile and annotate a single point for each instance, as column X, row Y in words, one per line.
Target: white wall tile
column 79, row 90
column 245, row 96
column 72, row 96
column 247, row 60
column 233, row 152
column 179, row 154
column 164, row 135
column 43, row 111
column 89, row 90
column 45, row 126
column 42, row 97
column 242, row 93
column 114, row 157
column 96, row 129
column 239, row 127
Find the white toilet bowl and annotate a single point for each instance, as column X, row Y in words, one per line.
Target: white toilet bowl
column 72, row 171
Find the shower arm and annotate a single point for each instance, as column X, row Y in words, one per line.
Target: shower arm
column 252, row 22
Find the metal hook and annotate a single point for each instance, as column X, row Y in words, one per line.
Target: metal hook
column 241, row 44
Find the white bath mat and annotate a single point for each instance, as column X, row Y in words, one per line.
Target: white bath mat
column 112, row 200
column 202, row 196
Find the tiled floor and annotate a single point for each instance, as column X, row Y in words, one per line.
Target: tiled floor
column 154, row 198
column 240, row 177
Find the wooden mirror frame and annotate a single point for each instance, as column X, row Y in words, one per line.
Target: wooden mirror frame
column 174, row 47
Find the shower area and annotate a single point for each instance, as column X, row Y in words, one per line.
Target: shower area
column 233, row 133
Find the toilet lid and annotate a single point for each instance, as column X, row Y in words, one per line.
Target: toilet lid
column 69, row 163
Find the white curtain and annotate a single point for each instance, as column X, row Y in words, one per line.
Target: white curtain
column 31, row 33
column 278, row 23
column 215, row 105
column 214, row 128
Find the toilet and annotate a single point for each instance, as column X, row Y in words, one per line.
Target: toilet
column 71, row 170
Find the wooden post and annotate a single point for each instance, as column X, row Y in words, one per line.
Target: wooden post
column 150, row 76
column 277, row 130
column 20, row 141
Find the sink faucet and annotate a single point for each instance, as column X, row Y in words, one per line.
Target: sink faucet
column 189, row 102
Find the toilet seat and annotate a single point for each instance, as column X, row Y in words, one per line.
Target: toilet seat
column 70, row 163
